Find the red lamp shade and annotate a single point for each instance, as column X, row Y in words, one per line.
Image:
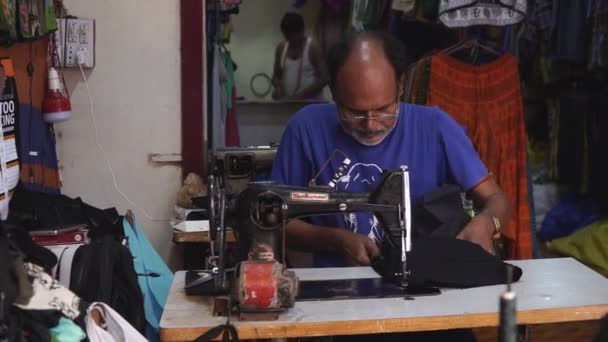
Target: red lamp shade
column 55, row 107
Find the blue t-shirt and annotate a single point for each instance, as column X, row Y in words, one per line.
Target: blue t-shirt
column 430, row 143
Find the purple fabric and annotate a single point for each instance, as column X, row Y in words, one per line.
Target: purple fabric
column 569, row 215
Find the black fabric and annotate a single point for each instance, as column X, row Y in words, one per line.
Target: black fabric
column 598, row 140
column 574, row 105
column 36, row 323
column 446, row 262
column 440, row 213
column 8, row 289
column 421, row 38
column 103, row 271
column 570, row 35
column 42, row 211
column 34, row 253
column 437, row 258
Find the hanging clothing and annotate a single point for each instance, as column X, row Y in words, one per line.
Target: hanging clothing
column 369, row 15
column 598, row 58
column 37, row 151
column 570, row 36
column 219, row 101
column 229, row 79
column 298, row 74
column 404, row 6
column 486, row 99
column 572, row 148
column 330, row 27
column 427, row 10
column 232, row 124
column 418, row 81
column 598, row 140
column 465, row 13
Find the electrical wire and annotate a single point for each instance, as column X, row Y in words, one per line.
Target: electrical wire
column 110, row 168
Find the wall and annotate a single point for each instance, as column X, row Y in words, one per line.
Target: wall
column 135, row 87
column 267, row 117
column 255, row 37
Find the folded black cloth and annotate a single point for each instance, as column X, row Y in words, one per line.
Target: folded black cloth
column 446, row 262
column 440, row 213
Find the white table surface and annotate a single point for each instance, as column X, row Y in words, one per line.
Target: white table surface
column 550, row 291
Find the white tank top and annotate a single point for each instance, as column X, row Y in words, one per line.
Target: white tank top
column 297, row 73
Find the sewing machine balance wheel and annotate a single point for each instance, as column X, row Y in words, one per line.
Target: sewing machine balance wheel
column 267, row 211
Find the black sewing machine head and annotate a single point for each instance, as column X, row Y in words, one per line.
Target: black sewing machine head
column 260, row 212
column 236, row 167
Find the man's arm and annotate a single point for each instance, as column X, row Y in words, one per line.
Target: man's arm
column 317, row 62
column 356, row 248
column 277, row 73
column 494, row 204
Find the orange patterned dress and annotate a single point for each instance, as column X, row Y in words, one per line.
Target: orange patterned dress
column 486, row 99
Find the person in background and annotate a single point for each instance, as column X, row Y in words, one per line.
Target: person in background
column 298, row 67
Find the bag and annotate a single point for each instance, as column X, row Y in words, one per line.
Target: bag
column 103, row 271
column 117, row 329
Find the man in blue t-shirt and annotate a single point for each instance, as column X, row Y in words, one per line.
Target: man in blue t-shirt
column 370, row 130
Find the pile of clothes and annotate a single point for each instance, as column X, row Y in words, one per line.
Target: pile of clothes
column 577, row 227
column 116, row 288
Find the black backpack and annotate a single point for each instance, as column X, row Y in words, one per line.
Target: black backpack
column 103, row 271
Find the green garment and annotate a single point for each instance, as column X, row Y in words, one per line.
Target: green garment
column 588, row 245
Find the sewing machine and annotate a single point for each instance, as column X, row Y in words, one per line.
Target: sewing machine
column 235, row 167
column 260, row 285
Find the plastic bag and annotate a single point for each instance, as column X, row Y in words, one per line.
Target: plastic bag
column 114, row 328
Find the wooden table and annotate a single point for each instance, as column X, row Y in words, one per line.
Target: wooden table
column 198, row 237
column 550, row 291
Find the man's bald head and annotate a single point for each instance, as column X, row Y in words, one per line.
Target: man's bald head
column 366, row 47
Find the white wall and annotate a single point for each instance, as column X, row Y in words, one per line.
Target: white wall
column 256, row 34
column 135, row 87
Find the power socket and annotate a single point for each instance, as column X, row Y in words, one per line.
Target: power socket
column 81, row 56
column 76, row 42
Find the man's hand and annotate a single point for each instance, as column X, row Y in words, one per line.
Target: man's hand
column 358, row 249
column 479, row 231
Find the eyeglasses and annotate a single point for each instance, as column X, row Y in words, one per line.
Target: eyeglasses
column 348, row 116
